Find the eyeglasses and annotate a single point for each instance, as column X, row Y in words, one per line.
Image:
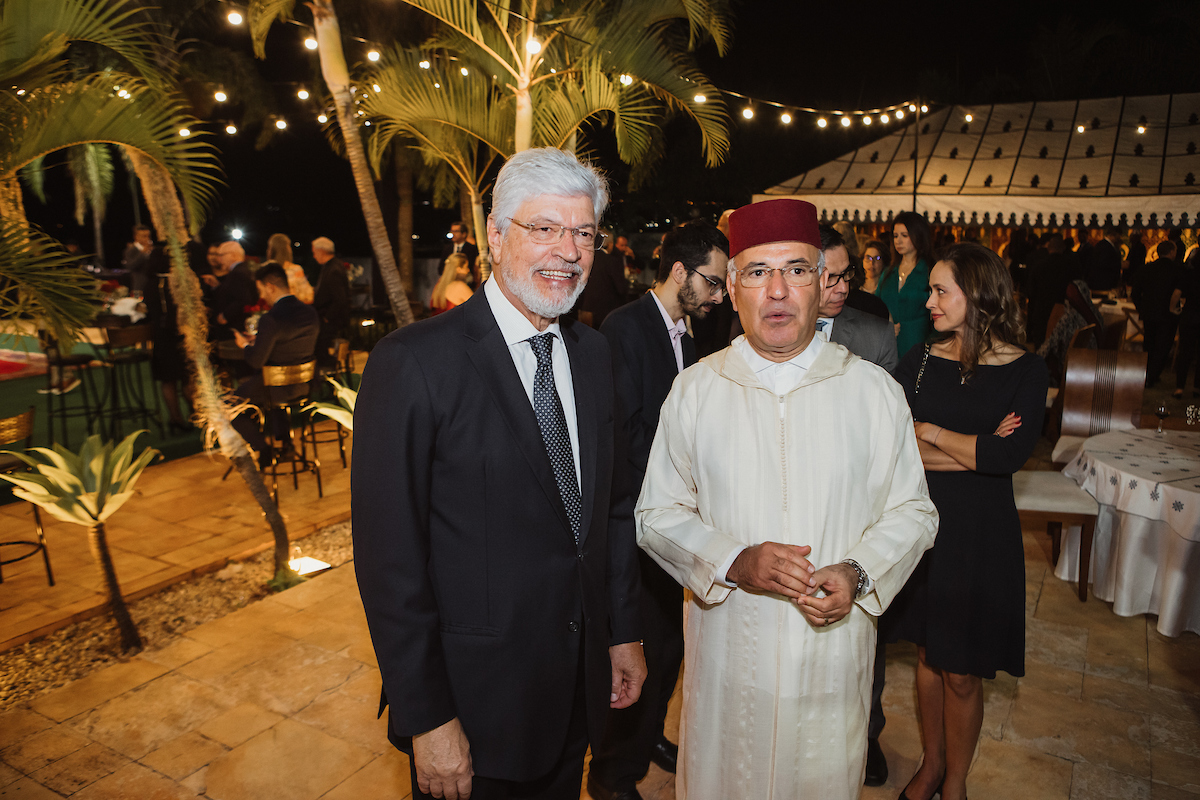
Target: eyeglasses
column 715, row 286
column 757, row 277
column 833, row 279
column 545, row 233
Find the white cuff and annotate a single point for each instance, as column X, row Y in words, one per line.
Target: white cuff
column 723, row 571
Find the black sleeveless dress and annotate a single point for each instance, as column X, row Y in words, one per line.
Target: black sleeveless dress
column 965, row 602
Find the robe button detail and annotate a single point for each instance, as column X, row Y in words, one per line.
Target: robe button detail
column 573, row 626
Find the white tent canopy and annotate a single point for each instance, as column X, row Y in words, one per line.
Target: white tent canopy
column 1136, row 162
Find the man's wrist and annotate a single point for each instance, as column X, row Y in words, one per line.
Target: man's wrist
column 860, row 577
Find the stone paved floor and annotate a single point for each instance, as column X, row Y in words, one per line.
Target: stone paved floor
column 278, row 700
column 183, row 520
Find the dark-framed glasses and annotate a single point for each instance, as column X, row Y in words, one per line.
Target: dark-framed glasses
column 586, row 238
column 715, row 286
column 756, row 277
column 834, row 278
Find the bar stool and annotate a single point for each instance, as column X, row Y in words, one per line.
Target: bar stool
column 59, row 410
column 343, row 371
column 276, row 378
column 127, row 353
column 12, row 431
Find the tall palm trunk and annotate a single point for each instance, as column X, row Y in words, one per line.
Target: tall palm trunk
column 12, row 206
column 210, row 401
column 337, row 78
column 131, row 640
column 479, row 221
column 523, row 135
column 404, row 217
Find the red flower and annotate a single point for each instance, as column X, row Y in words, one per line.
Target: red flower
column 258, row 308
column 109, row 286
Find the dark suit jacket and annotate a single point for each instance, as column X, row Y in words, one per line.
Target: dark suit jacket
column 606, row 288
column 479, row 601
column 331, row 298
column 287, row 334
column 469, row 250
column 235, row 292
column 867, row 336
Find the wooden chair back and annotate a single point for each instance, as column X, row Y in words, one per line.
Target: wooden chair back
column 129, row 336
column 1102, row 391
column 289, row 375
column 1084, row 338
column 17, row 429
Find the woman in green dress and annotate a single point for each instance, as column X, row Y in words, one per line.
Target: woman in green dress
column 904, row 285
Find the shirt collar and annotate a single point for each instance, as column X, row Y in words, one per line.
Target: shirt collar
column 514, row 326
column 676, row 329
column 804, row 359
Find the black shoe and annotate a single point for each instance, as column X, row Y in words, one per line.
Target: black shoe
column 599, row 792
column 665, row 754
column 877, row 768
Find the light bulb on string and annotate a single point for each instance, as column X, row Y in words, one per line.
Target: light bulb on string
column 626, row 80
column 231, row 129
column 553, row 71
column 310, row 43
column 220, row 96
column 437, row 86
column 785, row 118
column 234, row 18
column 1141, row 129
column 465, row 72
column 845, row 122
column 236, row 234
column 700, row 98
column 883, row 119
column 184, row 132
column 821, row 122
column 367, row 123
column 372, row 55
column 321, row 118
column 924, row 109
column 748, row 112
column 281, row 124
column 867, row 119
column 968, row 117
column 912, row 108
column 1079, row 129
column 302, row 94
column 899, row 113
column 533, row 46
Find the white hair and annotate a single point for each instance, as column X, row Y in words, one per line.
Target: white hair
column 541, row 171
column 324, row 243
column 232, row 247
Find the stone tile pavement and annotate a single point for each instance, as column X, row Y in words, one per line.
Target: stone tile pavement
column 183, row 520
column 278, row 700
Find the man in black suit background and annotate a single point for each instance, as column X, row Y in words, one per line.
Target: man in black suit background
column 287, row 334
column 457, row 243
column 650, row 346
column 502, row 601
column 870, row 338
column 232, row 290
column 331, row 299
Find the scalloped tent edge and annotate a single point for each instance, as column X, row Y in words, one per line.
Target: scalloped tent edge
column 1136, row 163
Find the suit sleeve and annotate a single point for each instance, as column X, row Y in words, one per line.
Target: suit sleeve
column 889, row 359
column 624, row 572
column 391, row 485
column 264, row 342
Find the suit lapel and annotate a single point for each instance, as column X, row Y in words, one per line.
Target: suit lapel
column 658, row 336
column 585, row 415
column 489, row 353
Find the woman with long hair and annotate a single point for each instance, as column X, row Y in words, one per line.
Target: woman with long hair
column 978, row 399
column 874, row 262
column 904, row 285
column 452, row 289
column 279, row 250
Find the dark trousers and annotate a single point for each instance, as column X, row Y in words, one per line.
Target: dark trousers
column 1185, row 359
column 878, row 720
column 623, row 757
column 1160, row 334
column 561, row 783
column 246, row 423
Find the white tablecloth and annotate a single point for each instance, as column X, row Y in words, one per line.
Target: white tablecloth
column 1146, row 552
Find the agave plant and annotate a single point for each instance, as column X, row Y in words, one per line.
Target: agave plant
column 341, row 412
column 86, row 488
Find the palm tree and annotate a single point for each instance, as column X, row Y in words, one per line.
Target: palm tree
column 261, row 15
column 86, row 489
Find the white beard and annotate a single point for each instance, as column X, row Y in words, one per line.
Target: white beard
column 526, row 291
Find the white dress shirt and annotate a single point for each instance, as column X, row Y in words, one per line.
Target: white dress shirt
column 827, row 328
column 517, row 330
column 675, row 329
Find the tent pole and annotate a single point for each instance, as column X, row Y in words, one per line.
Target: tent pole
column 917, row 154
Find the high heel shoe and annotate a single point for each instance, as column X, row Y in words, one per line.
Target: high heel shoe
column 937, row 791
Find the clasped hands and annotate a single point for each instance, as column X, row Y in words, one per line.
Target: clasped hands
column 785, row 569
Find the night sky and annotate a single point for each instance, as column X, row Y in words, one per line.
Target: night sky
column 855, row 55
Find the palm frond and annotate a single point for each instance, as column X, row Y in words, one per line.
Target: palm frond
column 38, row 278
column 561, row 110
column 34, row 176
column 90, row 111
column 461, row 16
column 91, row 168
column 261, row 15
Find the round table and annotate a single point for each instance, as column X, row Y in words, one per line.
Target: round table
column 1146, row 551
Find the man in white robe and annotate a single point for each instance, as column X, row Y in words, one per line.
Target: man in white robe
column 775, row 456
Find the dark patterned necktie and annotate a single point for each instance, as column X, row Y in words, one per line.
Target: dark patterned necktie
column 553, row 424
column 821, row 324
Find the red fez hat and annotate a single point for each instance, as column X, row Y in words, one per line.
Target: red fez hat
column 782, row 220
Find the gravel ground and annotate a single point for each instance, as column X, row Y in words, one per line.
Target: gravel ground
column 71, row 653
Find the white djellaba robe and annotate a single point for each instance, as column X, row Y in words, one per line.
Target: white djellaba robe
column 773, row 708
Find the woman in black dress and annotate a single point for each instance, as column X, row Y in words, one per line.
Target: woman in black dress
column 978, row 399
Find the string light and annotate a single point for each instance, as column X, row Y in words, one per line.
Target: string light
column 866, row 120
column 184, row 132
column 912, row 108
column 899, row 113
column 533, row 46
column 237, row 234
column 700, row 98
column 321, row 118
column 373, row 55
column 968, row 117
column 367, row 123
column 748, row 112
column 281, row 124
column 821, row 122
column 423, row 65
column 785, row 118
column 302, row 94
column 375, row 86
column 1141, row 128
column 310, row 43
column 234, row 18
column 231, row 129
column 883, row 118
column 627, row 80
column 437, row 86
column 845, row 122
column 122, row 93
column 220, row 96
column 924, row 109
column 464, row 71
column 1079, row 129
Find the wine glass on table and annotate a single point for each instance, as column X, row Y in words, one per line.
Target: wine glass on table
column 1162, row 413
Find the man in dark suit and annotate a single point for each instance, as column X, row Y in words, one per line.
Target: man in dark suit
column 331, row 299
column 286, row 335
column 231, row 286
column 871, row 338
column 607, row 289
column 502, row 601
column 457, row 243
column 650, row 346
column 1152, row 296
column 1102, row 270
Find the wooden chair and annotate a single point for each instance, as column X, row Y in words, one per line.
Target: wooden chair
column 1084, row 338
column 127, row 353
column 1102, row 391
column 274, row 379
column 19, row 430
column 1054, row 499
column 1138, row 337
